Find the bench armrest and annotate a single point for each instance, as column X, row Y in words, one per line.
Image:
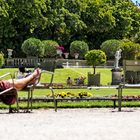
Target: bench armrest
column 6, row 75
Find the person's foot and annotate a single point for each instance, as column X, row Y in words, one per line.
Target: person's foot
column 36, row 75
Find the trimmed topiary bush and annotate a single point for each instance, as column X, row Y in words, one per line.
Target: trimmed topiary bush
column 50, row 48
column 95, row 58
column 80, row 47
column 32, row 47
column 130, row 50
column 110, row 47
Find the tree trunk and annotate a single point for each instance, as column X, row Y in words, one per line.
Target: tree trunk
column 94, row 69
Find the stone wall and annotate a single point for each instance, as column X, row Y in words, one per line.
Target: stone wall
column 33, row 62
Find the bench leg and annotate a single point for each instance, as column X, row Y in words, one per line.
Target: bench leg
column 54, row 100
column 31, row 100
column 28, row 101
column 114, row 104
column 119, row 98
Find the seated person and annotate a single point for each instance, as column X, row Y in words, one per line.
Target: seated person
column 22, row 72
column 69, row 81
column 80, row 80
column 19, row 84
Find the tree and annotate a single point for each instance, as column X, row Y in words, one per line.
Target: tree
column 98, row 16
column 18, row 21
column 110, row 19
column 127, row 17
column 95, row 58
column 65, row 21
column 6, row 29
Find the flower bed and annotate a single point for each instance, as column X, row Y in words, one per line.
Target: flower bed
column 71, row 95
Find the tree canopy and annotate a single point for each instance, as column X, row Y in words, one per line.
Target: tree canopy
column 65, row 21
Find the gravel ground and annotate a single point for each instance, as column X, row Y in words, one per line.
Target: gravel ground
column 71, row 124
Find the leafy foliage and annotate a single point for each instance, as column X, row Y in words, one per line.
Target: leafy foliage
column 130, row 50
column 19, row 20
column 95, row 58
column 32, row 47
column 50, row 47
column 65, row 21
column 110, row 47
column 80, row 47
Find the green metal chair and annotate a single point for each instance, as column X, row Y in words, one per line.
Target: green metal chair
column 30, row 88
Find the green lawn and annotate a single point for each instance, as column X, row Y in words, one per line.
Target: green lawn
column 61, row 75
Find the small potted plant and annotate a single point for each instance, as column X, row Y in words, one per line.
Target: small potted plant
column 95, row 58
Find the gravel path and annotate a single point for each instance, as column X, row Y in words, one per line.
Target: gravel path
column 71, row 124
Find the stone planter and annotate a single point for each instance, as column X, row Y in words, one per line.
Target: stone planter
column 76, row 55
column 66, row 55
column 93, row 79
column 9, row 53
column 116, row 76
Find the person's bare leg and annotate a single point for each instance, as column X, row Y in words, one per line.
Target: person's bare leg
column 19, row 84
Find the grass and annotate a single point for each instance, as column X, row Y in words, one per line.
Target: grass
column 61, row 76
column 77, row 72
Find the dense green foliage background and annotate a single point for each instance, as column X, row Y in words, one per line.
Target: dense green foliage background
column 66, row 20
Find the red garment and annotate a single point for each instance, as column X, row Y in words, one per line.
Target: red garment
column 9, row 97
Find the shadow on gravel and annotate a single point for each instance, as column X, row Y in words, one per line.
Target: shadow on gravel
column 116, row 111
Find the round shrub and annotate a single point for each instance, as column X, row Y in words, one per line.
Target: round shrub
column 32, row 47
column 110, row 47
column 1, row 59
column 80, row 47
column 130, row 50
column 50, row 48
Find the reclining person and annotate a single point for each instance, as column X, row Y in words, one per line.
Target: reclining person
column 19, row 84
